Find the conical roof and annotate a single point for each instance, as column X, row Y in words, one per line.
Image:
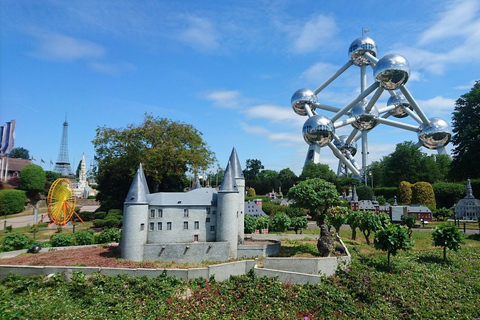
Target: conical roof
column 228, row 182
column 355, row 196
column 138, row 189
column 237, row 168
column 469, row 192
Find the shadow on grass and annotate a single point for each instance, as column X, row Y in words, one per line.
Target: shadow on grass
column 298, row 249
column 112, row 252
column 475, row 236
column 431, row 259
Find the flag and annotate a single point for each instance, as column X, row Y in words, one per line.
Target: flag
column 33, row 159
column 42, row 160
column 366, row 30
column 51, row 162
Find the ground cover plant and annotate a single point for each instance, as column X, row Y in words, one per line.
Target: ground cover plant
column 417, row 286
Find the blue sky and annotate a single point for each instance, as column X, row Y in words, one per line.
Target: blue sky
column 227, row 67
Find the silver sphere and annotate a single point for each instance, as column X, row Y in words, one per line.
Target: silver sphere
column 318, row 130
column 301, row 98
column 437, row 134
column 358, row 47
column 400, row 104
column 364, row 120
column 392, row 71
column 343, row 146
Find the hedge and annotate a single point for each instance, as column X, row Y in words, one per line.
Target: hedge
column 386, row 192
column 12, row 201
column 422, row 193
column 448, row 194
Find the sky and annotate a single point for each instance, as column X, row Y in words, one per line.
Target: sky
column 229, row 68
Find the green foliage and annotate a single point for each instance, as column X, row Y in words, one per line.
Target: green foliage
column 84, row 215
column 293, row 212
column 100, row 215
column 337, row 217
column 15, row 241
column 447, row 235
column 62, row 240
column 109, row 235
column 252, row 169
column 32, row 178
column 448, row 194
column 250, row 223
column 52, row 176
column 364, row 192
column 271, row 208
column 19, row 153
column 11, row 201
column 288, row 179
column 370, row 222
column 263, row 222
column 409, row 221
column 386, row 192
column 166, row 149
column 84, row 238
column 251, row 192
column 318, row 171
column 442, row 214
column 466, row 135
column 8, row 228
column 280, row 222
column 392, row 239
column 298, row 223
column 404, row 193
column 422, row 193
column 353, row 220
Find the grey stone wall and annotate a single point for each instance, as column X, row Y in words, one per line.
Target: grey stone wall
column 134, row 233
column 187, row 252
column 261, row 250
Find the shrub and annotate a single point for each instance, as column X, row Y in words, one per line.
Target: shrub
column 298, row 223
column 369, row 222
column 364, row 192
column 84, row 238
column 338, row 216
column 109, row 235
column 251, row 192
column 100, row 215
column 392, row 239
column 250, row 223
column 115, row 212
column 12, row 201
column 15, row 241
column 98, row 223
column 62, row 240
column 409, row 221
column 386, row 192
column 404, row 193
column 448, row 194
column 447, row 235
column 422, row 193
column 353, row 220
column 111, row 222
column 442, row 214
column 280, row 222
column 85, row 215
column 263, row 222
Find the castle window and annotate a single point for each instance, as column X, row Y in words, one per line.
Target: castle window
column 185, row 213
column 169, row 226
column 212, row 228
column 159, row 226
column 185, row 225
column 195, row 238
column 152, row 213
column 214, row 212
column 160, row 213
column 152, row 226
column 197, row 225
column 142, row 226
column 207, row 220
column 207, row 210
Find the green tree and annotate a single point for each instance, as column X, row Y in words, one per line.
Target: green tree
column 252, row 169
column 166, row 149
column 409, row 221
column 32, row 180
column 298, row 223
column 447, row 235
column 369, row 223
column 337, row 217
column 364, row 192
column 442, row 214
column 318, row 170
column 263, row 222
column 353, row 220
column 404, row 164
column 466, row 135
column 392, row 239
column 288, row 179
column 317, row 196
column 20, row 153
column 52, row 176
column 280, row 222
column 250, row 223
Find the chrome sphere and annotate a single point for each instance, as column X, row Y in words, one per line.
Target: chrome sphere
column 358, row 47
column 343, row 146
column 437, row 134
column 400, row 104
column 318, row 129
column 301, row 98
column 364, row 120
column 392, row 71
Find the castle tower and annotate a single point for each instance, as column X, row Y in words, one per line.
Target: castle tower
column 240, row 181
column 227, row 207
column 82, row 180
column 62, row 166
column 135, row 218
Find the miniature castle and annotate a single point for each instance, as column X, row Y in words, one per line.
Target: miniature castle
column 203, row 224
column 468, row 208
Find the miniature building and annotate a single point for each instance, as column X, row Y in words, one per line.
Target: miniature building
column 198, row 225
column 468, row 208
column 253, row 209
column 11, row 168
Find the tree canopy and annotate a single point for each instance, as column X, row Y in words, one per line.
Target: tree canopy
column 32, row 179
column 252, row 169
column 166, row 149
column 20, row 153
column 466, row 135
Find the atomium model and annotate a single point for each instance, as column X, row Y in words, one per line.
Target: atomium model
column 390, row 73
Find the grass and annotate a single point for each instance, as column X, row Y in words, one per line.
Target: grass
column 24, row 213
column 44, row 233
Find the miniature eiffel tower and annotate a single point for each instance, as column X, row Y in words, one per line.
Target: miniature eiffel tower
column 62, row 166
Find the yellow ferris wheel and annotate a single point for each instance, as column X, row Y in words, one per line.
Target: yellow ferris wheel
column 61, row 202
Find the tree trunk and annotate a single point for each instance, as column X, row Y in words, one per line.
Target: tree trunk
column 325, row 241
column 444, row 254
column 388, row 259
column 354, row 233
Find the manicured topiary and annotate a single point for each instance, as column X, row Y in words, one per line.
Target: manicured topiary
column 404, row 193
column 11, row 201
column 422, row 193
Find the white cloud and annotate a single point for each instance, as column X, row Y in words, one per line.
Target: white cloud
column 280, row 138
column 54, row 46
column 313, row 34
column 111, row 68
column 200, row 34
column 457, row 20
column 319, row 72
column 229, row 99
column 437, row 106
column 276, row 114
